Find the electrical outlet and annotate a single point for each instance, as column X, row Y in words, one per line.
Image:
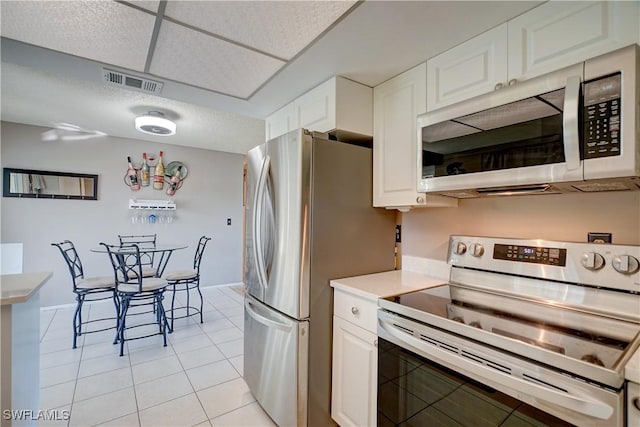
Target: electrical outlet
column 599, row 237
column 228, row 221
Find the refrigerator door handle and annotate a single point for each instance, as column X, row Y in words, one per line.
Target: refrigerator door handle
column 265, row 321
column 257, row 221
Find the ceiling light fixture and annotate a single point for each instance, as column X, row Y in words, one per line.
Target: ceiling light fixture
column 154, row 123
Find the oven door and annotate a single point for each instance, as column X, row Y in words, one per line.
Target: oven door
column 430, row 377
column 523, row 135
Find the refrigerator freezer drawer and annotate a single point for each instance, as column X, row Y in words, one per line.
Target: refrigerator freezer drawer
column 276, row 362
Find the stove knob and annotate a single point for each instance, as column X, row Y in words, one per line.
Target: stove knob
column 460, row 248
column 625, row 264
column 476, row 325
column 477, row 250
column 592, row 261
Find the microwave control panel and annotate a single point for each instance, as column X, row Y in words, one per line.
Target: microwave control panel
column 602, row 117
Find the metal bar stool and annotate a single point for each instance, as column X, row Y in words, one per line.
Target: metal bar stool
column 185, row 281
column 87, row 289
column 134, row 290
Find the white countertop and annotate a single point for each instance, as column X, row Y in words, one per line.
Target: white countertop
column 632, row 369
column 388, row 283
column 18, row 288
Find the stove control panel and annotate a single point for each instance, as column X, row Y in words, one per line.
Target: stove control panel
column 604, row 265
column 533, row 254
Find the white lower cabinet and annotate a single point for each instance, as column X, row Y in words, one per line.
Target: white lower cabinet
column 355, row 361
column 355, row 373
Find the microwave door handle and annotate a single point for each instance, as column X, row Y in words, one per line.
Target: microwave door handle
column 581, row 404
column 570, row 123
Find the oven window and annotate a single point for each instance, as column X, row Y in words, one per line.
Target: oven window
column 520, row 134
column 413, row 391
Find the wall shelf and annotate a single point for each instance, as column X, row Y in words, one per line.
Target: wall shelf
column 160, row 205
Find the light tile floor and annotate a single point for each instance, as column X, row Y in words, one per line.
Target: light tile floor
column 195, row 381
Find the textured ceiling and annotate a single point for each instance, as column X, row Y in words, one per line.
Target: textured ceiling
column 53, row 54
column 230, row 47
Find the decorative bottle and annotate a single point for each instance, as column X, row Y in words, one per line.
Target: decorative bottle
column 144, row 171
column 174, row 182
column 132, row 176
column 158, row 177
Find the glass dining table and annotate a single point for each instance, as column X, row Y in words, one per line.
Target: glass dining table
column 164, row 252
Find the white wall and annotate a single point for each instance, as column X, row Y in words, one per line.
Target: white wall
column 212, row 192
column 425, row 232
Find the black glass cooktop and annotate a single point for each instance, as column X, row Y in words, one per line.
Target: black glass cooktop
column 525, row 322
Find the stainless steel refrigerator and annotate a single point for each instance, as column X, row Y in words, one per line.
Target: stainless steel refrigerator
column 309, row 219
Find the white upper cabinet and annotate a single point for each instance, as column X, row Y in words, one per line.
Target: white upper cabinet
column 552, row 36
column 558, row 34
column 396, row 105
column 337, row 104
column 470, row 69
column 280, row 122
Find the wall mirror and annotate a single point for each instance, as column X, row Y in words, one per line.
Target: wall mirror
column 49, row 185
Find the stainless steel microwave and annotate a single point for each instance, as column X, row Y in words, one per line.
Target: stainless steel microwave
column 576, row 129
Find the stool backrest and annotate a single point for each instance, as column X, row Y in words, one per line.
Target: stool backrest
column 202, row 243
column 71, row 257
column 142, row 240
column 126, row 262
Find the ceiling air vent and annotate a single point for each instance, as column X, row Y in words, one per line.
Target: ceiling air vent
column 140, row 84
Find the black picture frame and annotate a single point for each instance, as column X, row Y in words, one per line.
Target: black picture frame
column 87, row 183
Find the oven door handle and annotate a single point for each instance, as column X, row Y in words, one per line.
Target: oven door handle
column 580, row 404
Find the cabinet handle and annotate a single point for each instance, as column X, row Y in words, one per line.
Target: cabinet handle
column 498, row 86
column 636, row 403
column 512, row 82
column 355, row 311
column 419, row 200
column 375, row 344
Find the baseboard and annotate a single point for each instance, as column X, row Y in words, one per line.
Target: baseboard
column 223, row 285
column 73, row 304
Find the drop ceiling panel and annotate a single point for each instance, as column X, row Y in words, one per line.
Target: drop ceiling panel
column 201, row 60
column 280, row 28
column 108, row 32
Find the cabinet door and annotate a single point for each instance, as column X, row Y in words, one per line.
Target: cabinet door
column 355, row 375
column 467, row 70
column 280, row 122
column 396, row 105
column 558, row 34
column 316, row 109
